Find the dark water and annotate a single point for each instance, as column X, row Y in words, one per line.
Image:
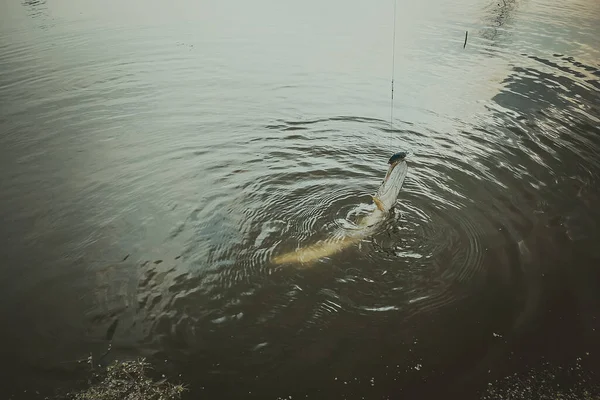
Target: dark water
column 154, row 156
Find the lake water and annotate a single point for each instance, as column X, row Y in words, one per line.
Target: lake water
column 154, row 157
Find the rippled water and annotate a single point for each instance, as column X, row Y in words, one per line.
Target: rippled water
column 154, row 158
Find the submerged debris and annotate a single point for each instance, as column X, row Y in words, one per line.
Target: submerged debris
column 128, row 380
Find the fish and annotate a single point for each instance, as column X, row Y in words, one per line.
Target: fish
column 384, row 200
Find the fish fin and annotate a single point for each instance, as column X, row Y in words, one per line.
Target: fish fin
column 378, row 203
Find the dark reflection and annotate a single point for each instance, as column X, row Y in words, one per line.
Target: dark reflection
column 499, row 16
column 558, row 146
column 559, row 93
column 581, row 73
column 36, row 8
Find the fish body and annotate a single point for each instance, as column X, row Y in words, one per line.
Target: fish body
column 384, row 200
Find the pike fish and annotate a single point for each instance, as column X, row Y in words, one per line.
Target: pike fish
column 384, row 200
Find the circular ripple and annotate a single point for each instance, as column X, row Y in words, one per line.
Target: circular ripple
column 426, row 254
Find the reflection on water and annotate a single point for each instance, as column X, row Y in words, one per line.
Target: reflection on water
column 152, row 166
column 35, row 8
column 499, row 16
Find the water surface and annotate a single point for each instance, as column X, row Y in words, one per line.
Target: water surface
column 154, row 157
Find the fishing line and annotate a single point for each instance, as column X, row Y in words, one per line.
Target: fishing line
column 393, row 70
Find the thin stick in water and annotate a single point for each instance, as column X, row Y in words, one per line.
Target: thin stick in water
column 466, row 34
